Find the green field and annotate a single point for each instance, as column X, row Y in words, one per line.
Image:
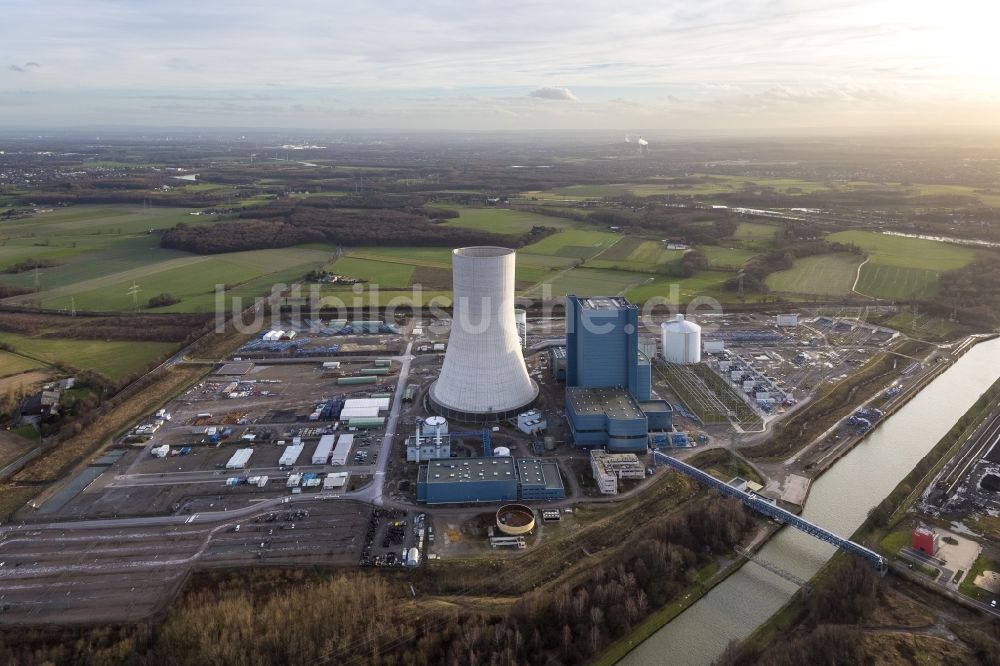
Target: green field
column 574, row 244
column 822, row 275
column 906, row 252
column 192, row 278
column 102, row 249
column 390, row 275
column 635, row 252
column 588, row 282
column 901, row 268
column 726, row 257
column 922, row 326
column 503, row 220
column 699, row 185
column 702, row 283
column 897, row 282
column 755, row 232
column 14, row 364
column 112, row 359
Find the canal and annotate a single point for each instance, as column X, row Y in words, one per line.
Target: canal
column 839, row 500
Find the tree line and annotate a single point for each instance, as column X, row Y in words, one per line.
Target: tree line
column 295, row 225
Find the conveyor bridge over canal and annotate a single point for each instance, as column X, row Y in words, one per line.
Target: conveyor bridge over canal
column 764, row 506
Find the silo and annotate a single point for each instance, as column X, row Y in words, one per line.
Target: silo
column 483, row 377
column 501, row 452
column 521, row 321
column 681, row 341
column 434, row 426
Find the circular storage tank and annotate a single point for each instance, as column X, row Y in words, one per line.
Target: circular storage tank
column 521, row 321
column 515, row 519
column 681, row 341
column 434, row 426
column 501, row 452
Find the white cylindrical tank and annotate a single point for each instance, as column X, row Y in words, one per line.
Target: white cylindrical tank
column 434, row 426
column 483, row 377
column 681, row 341
column 521, row 321
column 501, row 452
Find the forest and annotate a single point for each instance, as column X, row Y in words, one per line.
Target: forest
column 285, row 226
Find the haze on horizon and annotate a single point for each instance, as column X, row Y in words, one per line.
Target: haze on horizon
column 717, row 65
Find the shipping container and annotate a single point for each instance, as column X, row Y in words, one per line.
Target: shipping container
column 353, row 381
column 374, row 371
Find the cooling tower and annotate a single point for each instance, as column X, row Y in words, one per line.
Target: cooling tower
column 483, row 377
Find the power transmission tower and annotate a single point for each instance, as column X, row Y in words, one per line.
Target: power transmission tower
column 134, row 293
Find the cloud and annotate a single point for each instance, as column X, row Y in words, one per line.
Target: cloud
column 557, row 94
column 15, row 68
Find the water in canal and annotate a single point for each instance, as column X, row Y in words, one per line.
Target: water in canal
column 839, row 500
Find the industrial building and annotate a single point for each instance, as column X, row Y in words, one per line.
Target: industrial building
column 790, row 320
column 342, row 450
column 539, row 480
column 557, row 363
column 239, row 459
column 431, row 440
column 454, row 480
column 681, row 341
column 495, row 479
column 606, row 416
column 609, row 467
column 531, row 422
column 291, row 454
column 602, row 345
column 925, row 540
column 483, row 377
column 322, row 453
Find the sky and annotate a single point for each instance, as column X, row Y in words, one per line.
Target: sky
column 712, row 65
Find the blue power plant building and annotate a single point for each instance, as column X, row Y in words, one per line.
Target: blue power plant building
column 608, row 380
column 602, row 345
column 496, row 479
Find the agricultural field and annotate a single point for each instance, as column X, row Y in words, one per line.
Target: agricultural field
column 632, row 253
column 113, row 359
column 15, row 364
column 503, row 220
column 191, row 278
column 588, row 282
column 702, row 283
column 700, row 185
column 755, row 233
column 574, row 244
column 900, row 268
column 726, row 257
column 823, row 275
column 101, row 250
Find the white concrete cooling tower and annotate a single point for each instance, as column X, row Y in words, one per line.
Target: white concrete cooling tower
column 483, row 377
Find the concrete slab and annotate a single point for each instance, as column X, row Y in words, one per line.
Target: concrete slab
column 795, row 489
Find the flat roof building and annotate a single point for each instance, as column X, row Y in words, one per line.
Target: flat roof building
column 609, row 467
column 461, row 480
column 499, row 479
column 607, row 416
column 539, row 480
